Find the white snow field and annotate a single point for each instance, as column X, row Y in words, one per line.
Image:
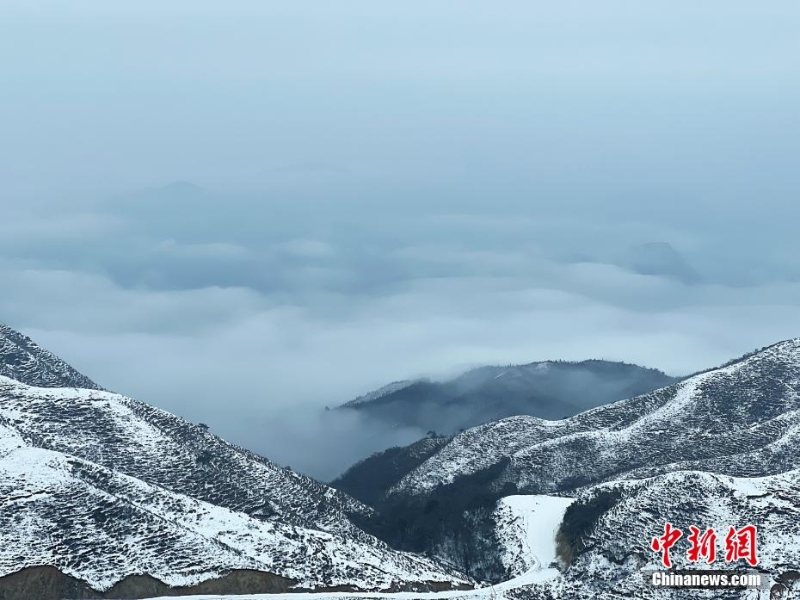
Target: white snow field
column 527, row 526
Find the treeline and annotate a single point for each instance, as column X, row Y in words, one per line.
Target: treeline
column 453, row 524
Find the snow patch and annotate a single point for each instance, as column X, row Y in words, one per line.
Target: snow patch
column 527, row 527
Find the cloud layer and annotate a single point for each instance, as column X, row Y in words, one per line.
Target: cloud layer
column 387, row 192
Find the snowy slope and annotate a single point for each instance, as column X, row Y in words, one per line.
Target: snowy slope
column 101, row 487
column 527, row 525
column 130, row 437
column 526, row 528
column 743, row 419
column 25, row 361
column 100, row 527
column 614, row 558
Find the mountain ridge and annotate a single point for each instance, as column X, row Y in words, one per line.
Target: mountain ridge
column 741, row 420
column 115, row 494
column 115, row 488
column 103, row 488
column 24, row 360
column 642, row 413
column 548, row 389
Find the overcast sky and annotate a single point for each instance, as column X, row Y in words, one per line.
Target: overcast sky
column 245, row 211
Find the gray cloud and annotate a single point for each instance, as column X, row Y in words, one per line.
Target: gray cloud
column 259, row 366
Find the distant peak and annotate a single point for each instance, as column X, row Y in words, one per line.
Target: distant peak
column 664, row 247
column 659, row 259
column 183, row 187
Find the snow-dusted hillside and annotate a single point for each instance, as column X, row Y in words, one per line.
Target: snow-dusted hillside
column 22, row 359
column 101, row 527
column 742, row 419
column 527, row 526
column 131, row 437
column 613, row 560
column 612, row 556
column 101, row 487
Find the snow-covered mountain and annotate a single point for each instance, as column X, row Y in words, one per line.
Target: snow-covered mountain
column 549, row 389
column 681, row 451
column 742, row 420
column 133, row 438
column 101, row 527
column 22, row 359
column 105, row 496
column 608, row 555
column 101, row 493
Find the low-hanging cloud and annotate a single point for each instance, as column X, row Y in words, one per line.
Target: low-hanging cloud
column 258, row 361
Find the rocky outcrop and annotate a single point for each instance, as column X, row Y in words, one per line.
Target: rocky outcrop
column 48, row 583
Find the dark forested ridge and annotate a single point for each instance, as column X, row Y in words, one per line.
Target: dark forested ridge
column 549, row 390
column 369, row 479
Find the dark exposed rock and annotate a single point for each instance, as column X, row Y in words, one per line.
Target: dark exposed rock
column 48, row 583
